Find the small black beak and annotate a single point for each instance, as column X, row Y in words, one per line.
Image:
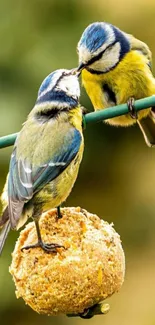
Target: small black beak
column 81, row 67
column 77, row 71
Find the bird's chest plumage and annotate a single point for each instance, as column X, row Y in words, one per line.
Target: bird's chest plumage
column 130, row 78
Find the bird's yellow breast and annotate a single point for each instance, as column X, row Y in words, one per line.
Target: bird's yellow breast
column 75, row 118
column 130, row 78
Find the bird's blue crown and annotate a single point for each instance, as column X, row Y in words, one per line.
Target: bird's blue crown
column 59, row 86
column 47, row 82
column 94, row 36
column 99, row 34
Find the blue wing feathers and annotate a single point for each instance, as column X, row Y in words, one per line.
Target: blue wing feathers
column 24, row 181
column 55, row 166
column 18, row 178
column 18, row 194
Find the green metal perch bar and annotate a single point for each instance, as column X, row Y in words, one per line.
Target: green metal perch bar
column 94, row 117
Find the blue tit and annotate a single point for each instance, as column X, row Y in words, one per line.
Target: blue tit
column 116, row 69
column 46, row 156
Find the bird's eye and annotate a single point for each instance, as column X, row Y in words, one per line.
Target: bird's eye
column 109, row 48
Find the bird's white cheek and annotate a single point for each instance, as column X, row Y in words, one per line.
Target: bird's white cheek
column 108, row 60
column 70, row 85
column 84, row 54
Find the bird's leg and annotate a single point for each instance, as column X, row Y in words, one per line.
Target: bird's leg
column 146, row 125
column 131, row 108
column 59, row 215
column 49, row 248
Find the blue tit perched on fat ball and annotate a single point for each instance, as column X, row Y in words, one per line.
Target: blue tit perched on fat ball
column 116, row 69
column 46, row 156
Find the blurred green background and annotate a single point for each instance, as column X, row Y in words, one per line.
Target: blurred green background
column 117, row 175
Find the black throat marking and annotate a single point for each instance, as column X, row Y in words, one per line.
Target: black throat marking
column 111, row 97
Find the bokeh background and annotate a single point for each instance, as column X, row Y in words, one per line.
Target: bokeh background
column 117, row 175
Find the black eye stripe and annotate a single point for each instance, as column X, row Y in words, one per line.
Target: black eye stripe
column 64, row 74
column 98, row 57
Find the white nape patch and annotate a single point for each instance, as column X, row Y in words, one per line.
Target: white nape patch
column 84, row 53
column 70, row 85
column 57, row 74
column 108, row 60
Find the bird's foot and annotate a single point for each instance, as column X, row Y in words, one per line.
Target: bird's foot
column 49, row 248
column 84, row 110
column 131, row 108
column 83, row 211
column 83, row 122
